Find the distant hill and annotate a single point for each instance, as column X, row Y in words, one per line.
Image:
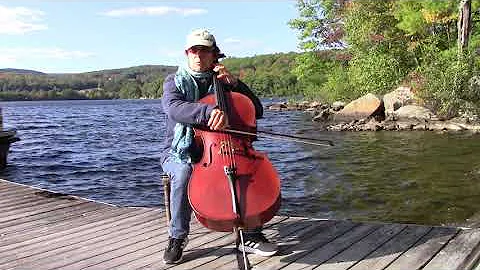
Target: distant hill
column 144, row 69
column 20, row 71
column 131, row 82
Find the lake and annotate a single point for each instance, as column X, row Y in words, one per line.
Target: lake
column 108, row 150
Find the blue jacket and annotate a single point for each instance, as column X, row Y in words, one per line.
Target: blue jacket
column 178, row 110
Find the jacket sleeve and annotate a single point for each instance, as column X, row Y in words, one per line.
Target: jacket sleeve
column 244, row 89
column 179, row 109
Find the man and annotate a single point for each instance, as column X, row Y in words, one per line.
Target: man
column 181, row 92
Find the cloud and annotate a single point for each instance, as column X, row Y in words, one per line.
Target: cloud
column 154, row 11
column 12, row 55
column 20, row 20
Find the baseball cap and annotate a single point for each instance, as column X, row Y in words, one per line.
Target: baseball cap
column 200, row 37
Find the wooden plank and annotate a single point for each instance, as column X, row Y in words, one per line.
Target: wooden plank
column 15, row 199
column 319, row 255
column 362, row 248
column 288, row 254
column 422, row 251
column 81, row 249
column 50, row 218
column 228, row 255
column 36, row 207
column 33, row 238
column 9, row 193
column 10, row 235
column 207, row 251
column 143, row 256
column 392, row 249
column 285, row 240
column 32, row 204
column 460, row 253
column 134, row 251
column 201, row 246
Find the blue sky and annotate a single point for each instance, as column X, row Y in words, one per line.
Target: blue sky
column 79, row 36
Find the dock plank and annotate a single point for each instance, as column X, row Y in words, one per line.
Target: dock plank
column 47, row 230
column 396, row 246
column 458, row 250
column 425, row 249
column 362, row 248
column 288, row 228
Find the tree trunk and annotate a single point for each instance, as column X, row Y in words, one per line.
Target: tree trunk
column 464, row 24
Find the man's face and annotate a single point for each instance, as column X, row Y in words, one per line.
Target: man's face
column 200, row 58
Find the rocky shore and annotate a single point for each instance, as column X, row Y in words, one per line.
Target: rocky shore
column 397, row 110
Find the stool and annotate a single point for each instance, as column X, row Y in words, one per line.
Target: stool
column 166, row 195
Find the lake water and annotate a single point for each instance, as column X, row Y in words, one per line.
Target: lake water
column 107, row 150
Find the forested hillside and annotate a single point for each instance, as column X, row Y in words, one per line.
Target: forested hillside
column 134, row 82
column 267, row 75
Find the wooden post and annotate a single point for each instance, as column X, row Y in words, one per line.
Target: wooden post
column 1, row 119
column 166, row 195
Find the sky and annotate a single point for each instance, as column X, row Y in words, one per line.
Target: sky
column 79, row 36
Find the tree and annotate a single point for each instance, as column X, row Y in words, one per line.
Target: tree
column 464, row 25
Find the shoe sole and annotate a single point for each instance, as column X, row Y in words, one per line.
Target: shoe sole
column 175, row 262
column 258, row 252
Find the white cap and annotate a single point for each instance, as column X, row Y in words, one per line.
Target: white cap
column 200, row 37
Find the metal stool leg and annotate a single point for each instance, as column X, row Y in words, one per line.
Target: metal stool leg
column 166, row 195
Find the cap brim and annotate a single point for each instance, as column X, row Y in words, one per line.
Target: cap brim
column 198, row 43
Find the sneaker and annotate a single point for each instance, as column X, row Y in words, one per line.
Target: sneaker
column 258, row 244
column 174, row 252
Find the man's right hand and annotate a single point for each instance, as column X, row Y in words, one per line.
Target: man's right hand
column 217, row 120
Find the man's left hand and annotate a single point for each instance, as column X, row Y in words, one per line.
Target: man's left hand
column 224, row 75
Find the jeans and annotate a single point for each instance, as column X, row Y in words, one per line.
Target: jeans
column 180, row 209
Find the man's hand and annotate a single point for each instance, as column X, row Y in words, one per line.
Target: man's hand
column 224, row 75
column 217, row 120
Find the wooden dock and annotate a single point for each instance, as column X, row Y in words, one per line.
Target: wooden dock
column 44, row 230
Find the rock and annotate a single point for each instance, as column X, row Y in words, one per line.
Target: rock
column 364, row 107
column 293, row 106
column 315, row 104
column 322, row 116
column 278, row 106
column 405, row 125
column 413, row 111
column 372, row 125
column 397, row 98
column 338, row 105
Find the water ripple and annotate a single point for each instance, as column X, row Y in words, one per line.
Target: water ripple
column 109, row 151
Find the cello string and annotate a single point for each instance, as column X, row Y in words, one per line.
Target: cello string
column 221, row 100
column 228, row 145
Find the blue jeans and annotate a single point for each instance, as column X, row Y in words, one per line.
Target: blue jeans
column 180, row 209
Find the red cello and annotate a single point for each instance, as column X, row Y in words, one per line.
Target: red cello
column 232, row 187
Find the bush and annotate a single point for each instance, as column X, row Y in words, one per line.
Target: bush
column 374, row 72
column 446, row 90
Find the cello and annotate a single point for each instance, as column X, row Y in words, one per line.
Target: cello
column 232, row 187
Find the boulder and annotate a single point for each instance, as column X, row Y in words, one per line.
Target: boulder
column 413, row 111
column 398, row 98
column 361, row 108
